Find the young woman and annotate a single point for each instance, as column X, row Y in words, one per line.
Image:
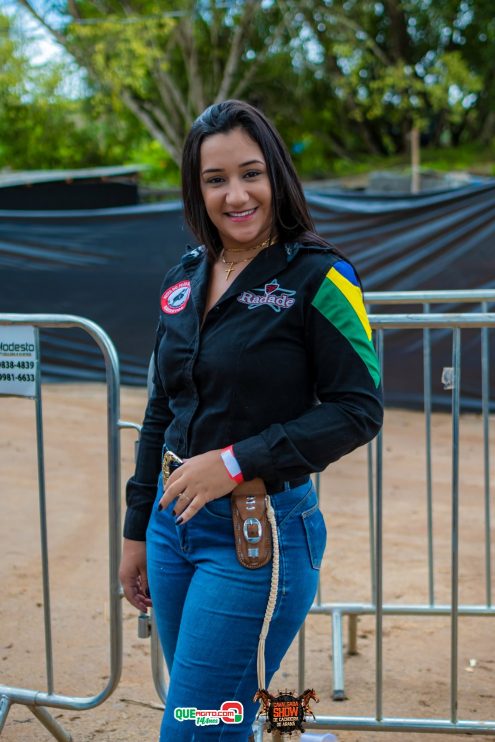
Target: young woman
column 264, row 373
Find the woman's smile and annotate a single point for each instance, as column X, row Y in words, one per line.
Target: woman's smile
column 240, row 216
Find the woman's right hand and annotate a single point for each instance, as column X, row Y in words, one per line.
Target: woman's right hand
column 133, row 574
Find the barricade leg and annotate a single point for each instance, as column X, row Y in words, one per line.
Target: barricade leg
column 157, row 661
column 55, row 729
column 4, row 710
column 301, row 649
column 258, row 730
column 338, row 657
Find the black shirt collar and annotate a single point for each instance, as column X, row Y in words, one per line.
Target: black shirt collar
column 264, row 267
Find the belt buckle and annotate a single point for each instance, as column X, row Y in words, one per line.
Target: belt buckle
column 170, row 462
column 252, row 530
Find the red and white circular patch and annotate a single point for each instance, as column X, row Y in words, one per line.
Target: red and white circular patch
column 175, row 298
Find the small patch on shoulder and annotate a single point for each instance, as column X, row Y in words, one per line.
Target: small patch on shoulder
column 175, row 298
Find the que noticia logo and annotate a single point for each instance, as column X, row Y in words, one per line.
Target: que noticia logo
column 230, row 712
column 272, row 295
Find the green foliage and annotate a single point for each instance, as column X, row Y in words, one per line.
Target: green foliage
column 41, row 128
column 120, row 56
column 160, row 166
column 344, row 80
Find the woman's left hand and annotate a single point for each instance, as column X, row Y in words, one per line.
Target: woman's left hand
column 197, row 481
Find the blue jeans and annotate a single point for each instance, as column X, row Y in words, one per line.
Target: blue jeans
column 209, row 608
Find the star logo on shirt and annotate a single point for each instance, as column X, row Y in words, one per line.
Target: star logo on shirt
column 271, row 295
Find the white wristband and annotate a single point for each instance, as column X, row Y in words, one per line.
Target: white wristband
column 232, row 465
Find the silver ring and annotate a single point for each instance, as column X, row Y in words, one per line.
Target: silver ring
column 183, row 494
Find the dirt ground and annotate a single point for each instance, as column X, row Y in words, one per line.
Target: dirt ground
column 415, row 649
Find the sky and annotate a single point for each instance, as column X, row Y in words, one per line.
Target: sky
column 43, row 48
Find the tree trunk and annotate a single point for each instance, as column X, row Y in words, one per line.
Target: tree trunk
column 415, row 162
column 398, row 37
column 487, row 132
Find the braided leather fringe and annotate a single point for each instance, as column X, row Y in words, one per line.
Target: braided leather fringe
column 272, row 598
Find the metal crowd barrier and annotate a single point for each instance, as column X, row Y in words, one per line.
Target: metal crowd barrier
column 38, row 701
column 426, row 322
column 395, row 299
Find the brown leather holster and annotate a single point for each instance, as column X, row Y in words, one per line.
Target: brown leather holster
column 252, row 530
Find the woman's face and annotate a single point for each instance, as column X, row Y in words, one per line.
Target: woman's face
column 236, row 188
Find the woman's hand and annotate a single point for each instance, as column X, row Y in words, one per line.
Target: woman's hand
column 200, row 479
column 133, row 575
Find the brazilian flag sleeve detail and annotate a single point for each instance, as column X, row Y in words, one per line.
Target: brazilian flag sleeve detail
column 340, row 300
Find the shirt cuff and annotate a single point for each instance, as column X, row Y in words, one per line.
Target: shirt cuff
column 254, row 458
column 136, row 523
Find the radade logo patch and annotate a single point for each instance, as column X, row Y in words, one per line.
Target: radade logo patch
column 272, row 295
column 175, row 298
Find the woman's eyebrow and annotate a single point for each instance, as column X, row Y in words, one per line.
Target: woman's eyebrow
column 221, row 169
column 250, row 162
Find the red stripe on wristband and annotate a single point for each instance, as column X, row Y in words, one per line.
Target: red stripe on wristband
column 232, row 465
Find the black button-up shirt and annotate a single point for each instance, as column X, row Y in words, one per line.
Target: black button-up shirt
column 283, row 368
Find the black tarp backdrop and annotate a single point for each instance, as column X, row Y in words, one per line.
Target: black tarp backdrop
column 83, row 188
column 108, row 265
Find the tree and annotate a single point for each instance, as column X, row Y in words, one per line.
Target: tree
column 340, row 78
column 166, row 61
column 40, row 127
column 397, row 64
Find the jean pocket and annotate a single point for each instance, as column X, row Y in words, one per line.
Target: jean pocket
column 316, row 534
column 219, row 508
column 292, row 503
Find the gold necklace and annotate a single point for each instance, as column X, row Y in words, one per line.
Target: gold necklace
column 260, row 246
column 231, row 263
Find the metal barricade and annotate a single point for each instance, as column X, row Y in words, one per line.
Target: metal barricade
column 426, row 322
column 396, row 299
column 39, row 701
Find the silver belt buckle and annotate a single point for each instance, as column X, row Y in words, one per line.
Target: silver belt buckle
column 245, row 528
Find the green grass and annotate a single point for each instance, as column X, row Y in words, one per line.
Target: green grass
column 471, row 157
column 474, row 158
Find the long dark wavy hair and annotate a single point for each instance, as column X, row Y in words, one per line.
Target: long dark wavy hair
column 291, row 220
